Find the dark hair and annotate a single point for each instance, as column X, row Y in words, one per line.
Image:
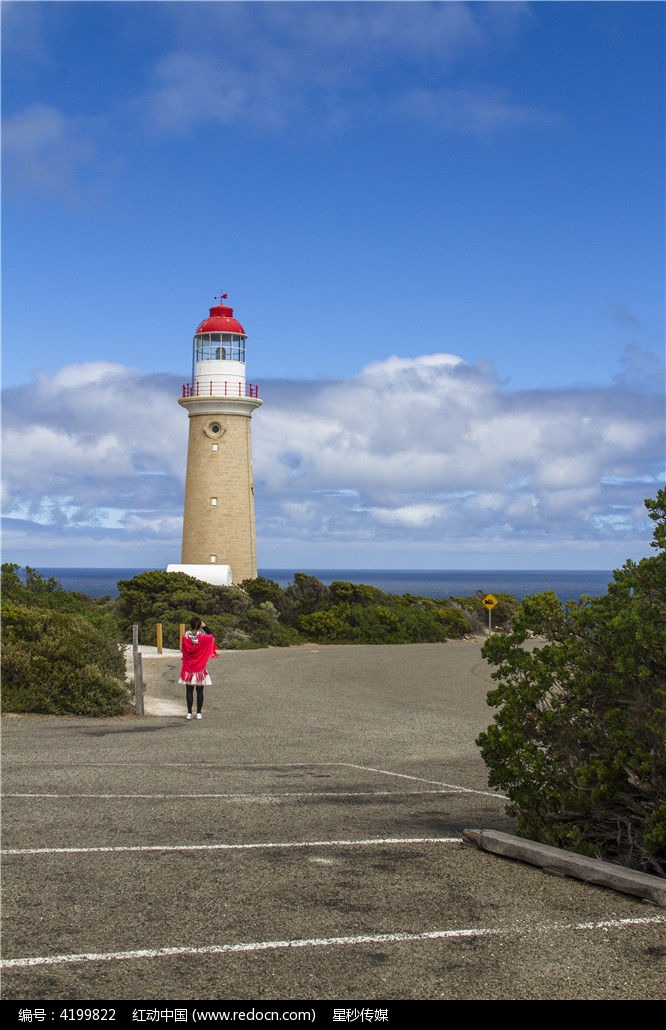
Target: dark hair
column 195, row 623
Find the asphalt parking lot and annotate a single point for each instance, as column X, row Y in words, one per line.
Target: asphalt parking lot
column 303, row 841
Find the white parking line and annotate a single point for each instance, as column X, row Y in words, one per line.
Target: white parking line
column 421, row 779
column 444, row 787
column 323, row 942
column 239, row 797
column 265, row 845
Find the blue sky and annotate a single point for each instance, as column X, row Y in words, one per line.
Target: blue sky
column 441, row 224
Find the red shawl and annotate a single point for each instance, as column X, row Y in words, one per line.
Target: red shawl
column 196, row 652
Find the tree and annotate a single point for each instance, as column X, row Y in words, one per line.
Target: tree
column 578, row 740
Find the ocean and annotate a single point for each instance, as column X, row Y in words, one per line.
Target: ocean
column 568, row 585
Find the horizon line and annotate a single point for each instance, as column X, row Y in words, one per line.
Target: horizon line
column 326, row 568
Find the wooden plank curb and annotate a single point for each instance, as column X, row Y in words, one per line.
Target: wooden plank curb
column 591, row 870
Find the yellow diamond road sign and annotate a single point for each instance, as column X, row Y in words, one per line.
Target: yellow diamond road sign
column 489, row 601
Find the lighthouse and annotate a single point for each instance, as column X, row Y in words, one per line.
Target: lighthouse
column 219, row 536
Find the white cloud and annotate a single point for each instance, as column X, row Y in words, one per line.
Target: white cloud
column 167, row 527
column 87, row 373
column 432, row 448
column 424, row 457
column 92, row 437
column 305, row 68
column 348, row 34
column 480, row 109
column 320, row 65
column 191, row 89
column 411, row 516
column 48, row 151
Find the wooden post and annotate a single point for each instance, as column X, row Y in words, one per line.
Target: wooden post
column 138, row 671
column 158, row 630
column 181, row 634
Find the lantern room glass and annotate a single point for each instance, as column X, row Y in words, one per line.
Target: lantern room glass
column 219, row 347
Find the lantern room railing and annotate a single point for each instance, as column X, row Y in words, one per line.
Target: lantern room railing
column 214, row 388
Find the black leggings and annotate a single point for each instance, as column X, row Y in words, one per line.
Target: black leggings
column 189, row 691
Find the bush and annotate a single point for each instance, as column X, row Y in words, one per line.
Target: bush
column 55, row 663
column 169, row 597
column 331, row 625
column 432, row 620
column 258, row 613
column 578, row 737
column 261, row 590
column 396, row 620
column 172, row 599
column 263, row 630
column 33, row 591
column 359, row 593
column 302, row 597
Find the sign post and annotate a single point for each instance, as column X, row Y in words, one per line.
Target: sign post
column 489, row 602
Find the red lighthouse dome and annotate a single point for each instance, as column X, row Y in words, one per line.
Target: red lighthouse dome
column 221, row 320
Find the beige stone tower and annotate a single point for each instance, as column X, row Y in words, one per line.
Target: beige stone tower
column 219, row 536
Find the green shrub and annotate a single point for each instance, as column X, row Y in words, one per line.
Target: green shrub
column 172, row 599
column 397, row 620
column 169, row 597
column 578, row 740
column 258, row 613
column 302, row 597
column 330, row 625
column 261, row 590
column 33, row 591
column 431, row 622
column 262, row 630
column 360, row 593
column 58, row 664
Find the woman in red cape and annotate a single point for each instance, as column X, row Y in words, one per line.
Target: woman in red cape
column 197, row 646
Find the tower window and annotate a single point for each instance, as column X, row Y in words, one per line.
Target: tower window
column 213, row 559
column 213, row 502
column 214, row 431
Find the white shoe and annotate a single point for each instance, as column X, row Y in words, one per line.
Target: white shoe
column 199, row 715
column 189, row 715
